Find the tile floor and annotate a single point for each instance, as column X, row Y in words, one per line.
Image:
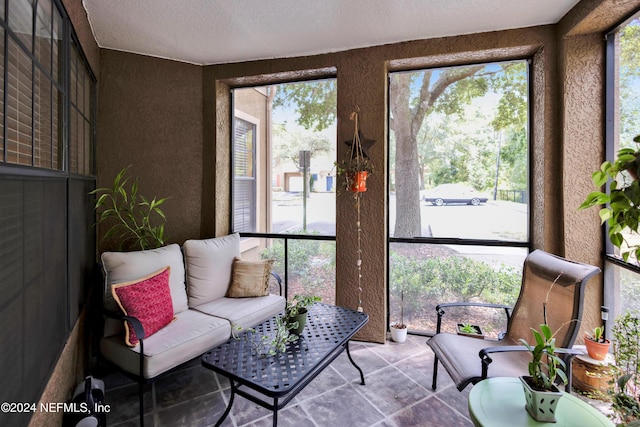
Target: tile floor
column 397, row 393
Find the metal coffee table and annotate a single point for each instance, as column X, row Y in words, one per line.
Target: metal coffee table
column 279, row 378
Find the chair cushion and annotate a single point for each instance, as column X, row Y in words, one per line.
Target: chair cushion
column 249, row 278
column 147, row 299
column 244, row 312
column 190, row 335
column 121, row 267
column 460, row 356
column 208, row 264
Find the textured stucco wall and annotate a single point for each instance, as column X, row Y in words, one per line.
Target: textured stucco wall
column 583, row 147
column 150, row 117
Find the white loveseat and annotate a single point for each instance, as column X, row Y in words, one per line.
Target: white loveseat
column 200, row 275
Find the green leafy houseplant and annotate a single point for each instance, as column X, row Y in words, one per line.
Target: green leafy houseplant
column 296, row 312
column 269, row 345
column 626, row 352
column 545, row 366
column 131, row 214
column 622, row 203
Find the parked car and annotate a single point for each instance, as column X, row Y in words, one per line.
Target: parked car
column 452, row 193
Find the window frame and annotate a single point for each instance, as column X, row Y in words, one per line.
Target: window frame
column 60, row 130
column 390, row 240
column 610, row 261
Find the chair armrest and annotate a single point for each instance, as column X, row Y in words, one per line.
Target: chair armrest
column 441, row 312
column 133, row 321
column 278, row 279
column 486, row 359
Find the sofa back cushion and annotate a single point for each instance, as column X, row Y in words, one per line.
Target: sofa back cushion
column 208, row 263
column 121, row 267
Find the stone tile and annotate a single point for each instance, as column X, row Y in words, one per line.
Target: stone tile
column 420, row 368
column 390, row 390
column 430, row 412
column 183, row 385
column 201, row 412
column 367, row 360
column 290, row 416
column 327, row 380
column 343, row 406
column 459, row 400
column 394, row 352
column 135, row 422
column 124, row 403
column 245, row 411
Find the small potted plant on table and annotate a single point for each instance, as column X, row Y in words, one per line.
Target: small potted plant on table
column 296, row 311
column 541, row 392
column 597, row 345
column 470, row 330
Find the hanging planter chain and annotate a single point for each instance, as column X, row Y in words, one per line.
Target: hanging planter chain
column 356, row 162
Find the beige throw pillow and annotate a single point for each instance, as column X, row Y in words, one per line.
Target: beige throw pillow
column 249, row 278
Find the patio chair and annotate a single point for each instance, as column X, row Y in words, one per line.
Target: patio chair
column 546, row 278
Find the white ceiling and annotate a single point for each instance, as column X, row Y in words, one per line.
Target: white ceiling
column 221, row 31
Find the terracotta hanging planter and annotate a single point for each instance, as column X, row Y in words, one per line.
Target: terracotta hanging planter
column 358, row 182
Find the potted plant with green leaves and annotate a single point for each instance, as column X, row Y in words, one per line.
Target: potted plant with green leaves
column 359, row 167
column 296, row 312
column 621, row 209
column 545, row 368
column 268, row 345
column 470, row 330
column 399, row 329
column 597, row 345
column 137, row 222
column 625, row 394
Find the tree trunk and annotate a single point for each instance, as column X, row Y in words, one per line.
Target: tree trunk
column 407, row 171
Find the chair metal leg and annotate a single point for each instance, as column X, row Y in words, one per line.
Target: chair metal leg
column 435, row 373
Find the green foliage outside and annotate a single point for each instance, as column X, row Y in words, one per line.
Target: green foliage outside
column 312, row 266
column 430, row 281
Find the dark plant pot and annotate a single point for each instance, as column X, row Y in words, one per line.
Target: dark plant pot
column 597, row 350
column 478, row 331
column 301, row 318
column 541, row 405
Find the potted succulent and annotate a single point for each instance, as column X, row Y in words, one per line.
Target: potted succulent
column 545, row 367
column 296, row 312
column 470, row 330
column 622, row 201
column 597, row 345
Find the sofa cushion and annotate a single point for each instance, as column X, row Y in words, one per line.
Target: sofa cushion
column 249, row 278
column 208, row 264
column 148, row 300
column 190, row 335
column 120, row 267
column 244, row 312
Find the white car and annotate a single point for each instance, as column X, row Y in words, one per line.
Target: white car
column 452, row 193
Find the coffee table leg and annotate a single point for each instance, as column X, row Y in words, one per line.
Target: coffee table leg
column 275, row 412
column 226, row 411
column 354, row 364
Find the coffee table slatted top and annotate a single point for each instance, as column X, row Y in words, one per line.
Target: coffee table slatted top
column 328, row 329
